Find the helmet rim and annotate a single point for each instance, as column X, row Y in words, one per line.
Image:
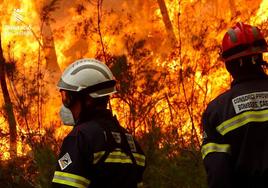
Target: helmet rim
column 86, row 73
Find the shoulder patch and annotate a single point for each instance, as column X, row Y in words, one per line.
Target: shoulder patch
column 117, row 137
column 65, row 161
column 131, row 142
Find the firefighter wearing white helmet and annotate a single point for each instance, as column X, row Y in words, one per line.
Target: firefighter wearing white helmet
column 98, row 152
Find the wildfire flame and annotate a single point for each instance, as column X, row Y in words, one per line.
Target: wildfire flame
column 168, row 70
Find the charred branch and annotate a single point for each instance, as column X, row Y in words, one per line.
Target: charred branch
column 99, row 10
column 167, row 22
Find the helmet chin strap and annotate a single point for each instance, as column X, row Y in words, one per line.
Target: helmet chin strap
column 253, row 60
column 241, row 62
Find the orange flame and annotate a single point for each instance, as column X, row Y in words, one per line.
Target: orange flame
column 186, row 76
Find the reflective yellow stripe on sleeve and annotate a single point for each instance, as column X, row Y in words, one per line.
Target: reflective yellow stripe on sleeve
column 140, row 159
column 70, row 179
column 139, row 185
column 213, row 147
column 242, row 119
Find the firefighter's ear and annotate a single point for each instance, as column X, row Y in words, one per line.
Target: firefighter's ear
column 68, row 98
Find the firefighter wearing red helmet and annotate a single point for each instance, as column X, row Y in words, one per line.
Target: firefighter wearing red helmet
column 235, row 124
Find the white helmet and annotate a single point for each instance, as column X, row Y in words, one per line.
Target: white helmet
column 89, row 76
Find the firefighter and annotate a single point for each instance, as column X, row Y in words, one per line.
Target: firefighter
column 98, row 152
column 235, row 124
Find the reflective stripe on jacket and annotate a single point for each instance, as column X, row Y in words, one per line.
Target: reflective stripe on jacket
column 235, row 141
column 98, row 152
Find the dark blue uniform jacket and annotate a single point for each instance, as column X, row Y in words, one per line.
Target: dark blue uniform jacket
column 100, row 153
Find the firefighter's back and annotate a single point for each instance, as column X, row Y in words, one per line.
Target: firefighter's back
column 244, row 125
column 116, row 159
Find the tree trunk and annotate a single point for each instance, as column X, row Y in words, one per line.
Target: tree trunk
column 44, row 8
column 167, row 22
column 8, row 107
column 50, row 52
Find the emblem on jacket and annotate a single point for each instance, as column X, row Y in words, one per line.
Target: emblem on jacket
column 65, row 161
column 131, row 142
column 117, row 137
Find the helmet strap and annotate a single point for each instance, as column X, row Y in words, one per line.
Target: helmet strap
column 241, row 62
column 253, row 60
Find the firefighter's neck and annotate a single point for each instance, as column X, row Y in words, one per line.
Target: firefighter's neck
column 248, row 75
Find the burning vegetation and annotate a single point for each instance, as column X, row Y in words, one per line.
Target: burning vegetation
column 165, row 55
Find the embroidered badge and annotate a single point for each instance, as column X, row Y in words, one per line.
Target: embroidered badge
column 117, row 137
column 65, row 161
column 131, row 142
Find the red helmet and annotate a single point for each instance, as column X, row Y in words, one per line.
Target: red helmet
column 242, row 40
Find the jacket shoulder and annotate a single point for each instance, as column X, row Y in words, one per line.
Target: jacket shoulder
column 219, row 101
column 87, row 129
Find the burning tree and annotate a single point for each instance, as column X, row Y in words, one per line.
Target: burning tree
column 8, row 106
